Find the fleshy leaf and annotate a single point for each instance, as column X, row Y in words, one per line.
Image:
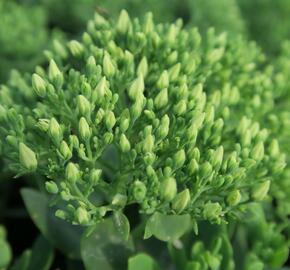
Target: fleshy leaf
column 167, row 228
column 142, row 261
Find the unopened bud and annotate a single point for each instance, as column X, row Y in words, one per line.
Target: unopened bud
column 55, row 74
column 136, row 88
column 110, row 120
column 161, row 99
column 181, row 201
column 65, row 151
column 139, row 191
column 99, row 92
column 143, row 67
column 257, row 152
column 84, row 129
column 163, row 81
column 234, row 197
column 27, row 157
column 168, row 189
column 123, row 23
column 108, row 66
column 39, row 85
column 82, row 216
column 179, row 158
column 163, row 129
column 95, row 176
column 174, row 72
column 51, row 187
column 83, row 105
column 260, row 191
column 124, row 144
column 55, row 131
column 72, row 173
column 76, row 48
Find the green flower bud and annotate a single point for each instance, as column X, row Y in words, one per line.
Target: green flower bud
column 39, row 85
column 136, row 88
column 257, row 152
column 108, row 137
column 137, row 107
column 192, row 166
column 205, row 170
column 65, row 151
column 148, row 143
column 76, row 48
column 234, row 197
column 123, row 23
column 51, row 187
column 74, row 141
column 274, row 149
column 180, row 108
column 181, row 201
column 83, row 105
column 163, row 81
column 215, row 55
column 260, row 191
column 142, row 67
column 168, row 189
column 179, row 158
column 139, row 191
column 217, row 157
column 108, row 66
column 82, row 216
column 61, row 214
column 55, row 131
column 163, row 129
column 43, row 124
column 95, row 176
column 212, row 212
column 110, row 120
column 27, row 157
column 174, row 72
column 124, row 144
column 84, row 129
column 59, row 48
column 119, row 200
column 54, row 74
column 161, row 99
column 99, row 116
column 72, row 173
column 100, row 90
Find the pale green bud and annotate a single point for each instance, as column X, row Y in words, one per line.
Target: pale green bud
column 74, row 141
column 217, row 157
column 83, row 105
column 124, row 144
column 65, row 151
column 163, row 81
column 55, row 131
column 148, row 23
column 108, row 137
column 274, row 148
column 39, row 85
column 168, row 189
column 72, row 173
column 137, row 107
column 143, row 67
column 100, row 90
column 119, row 200
column 136, row 88
column 82, row 216
column 108, row 66
column 234, row 197
column 180, row 108
column 192, row 166
column 260, row 191
column 181, row 201
column 61, row 214
column 179, row 158
column 95, row 176
column 27, row 157
column 84, row 129
column 110, row 120
column 212, row 211
column 163, row 129
column 257, row 152
column 205, row 169
column 99, row 116
column 139, row 191
column 161, row 99
column 123, row 23
column 54, row 74
column 51, row 187
column 215, row 55
column 59, row 48
column 148, row 143
column 76, row 48
column 174, row 72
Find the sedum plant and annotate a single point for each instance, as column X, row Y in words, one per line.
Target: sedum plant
column 129, row 117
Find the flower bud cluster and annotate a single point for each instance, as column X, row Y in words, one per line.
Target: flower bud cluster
column 129, row 115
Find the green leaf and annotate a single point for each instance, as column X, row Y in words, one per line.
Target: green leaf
column 280, row 256
column 122, row 224
column 23, row 262
column 59, row 233
column 142, row 261
column 105, row 247
column 42, row 255
column 5, row 254
column 167, row 228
